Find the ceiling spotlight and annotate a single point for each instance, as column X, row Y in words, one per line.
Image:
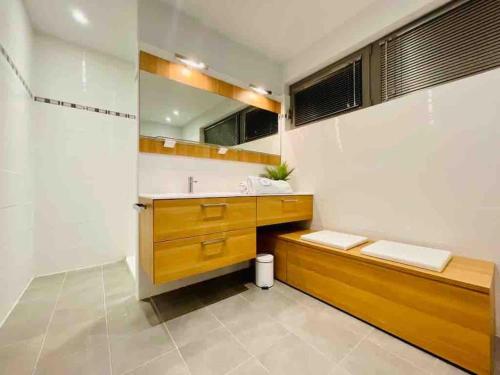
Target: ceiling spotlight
column 168, row 119
column 191, row 63
column 260, row 90
column 176, row 112
column 79, row 17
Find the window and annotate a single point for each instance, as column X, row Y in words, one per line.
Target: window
column 336, row 90
column 257, row 123
column 457, row 40
column 452, row 43
column 246, row 125
column 224, row 132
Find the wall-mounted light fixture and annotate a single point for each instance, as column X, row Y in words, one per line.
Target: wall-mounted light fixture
column 191, row 63
column 260, row 90
column 168, row 119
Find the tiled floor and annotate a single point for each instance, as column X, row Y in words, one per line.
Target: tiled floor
column 88, row 322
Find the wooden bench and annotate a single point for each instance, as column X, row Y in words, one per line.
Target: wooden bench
column 450, row 314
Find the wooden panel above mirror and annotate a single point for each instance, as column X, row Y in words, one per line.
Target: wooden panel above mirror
column 206, row 151
column 179, row 73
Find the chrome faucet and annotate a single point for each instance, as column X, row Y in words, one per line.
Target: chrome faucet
column 191, row 182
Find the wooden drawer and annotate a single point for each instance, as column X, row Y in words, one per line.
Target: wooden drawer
column 182, row 218
column 284, row 208
column 177, row 259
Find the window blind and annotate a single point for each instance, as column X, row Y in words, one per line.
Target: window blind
column 337, row 92
column 458, row 42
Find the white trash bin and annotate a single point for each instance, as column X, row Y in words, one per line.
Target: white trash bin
column 264, row 271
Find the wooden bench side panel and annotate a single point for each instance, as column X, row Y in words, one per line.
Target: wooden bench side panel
column 449, row 321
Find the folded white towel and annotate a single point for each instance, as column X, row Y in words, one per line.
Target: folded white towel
column 262, row 185
column 343, row 241
column 418, row 256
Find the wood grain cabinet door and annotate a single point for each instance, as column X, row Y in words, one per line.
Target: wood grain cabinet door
column 182, row 218
column 181, row 258
column 284, row 208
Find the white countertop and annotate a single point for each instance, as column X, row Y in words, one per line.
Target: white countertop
column 209, row 195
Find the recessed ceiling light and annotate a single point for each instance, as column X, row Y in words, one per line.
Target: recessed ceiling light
column 176, row 112
column 260, row 90
column 168, row 119
column 191, row 62
column 80, row 17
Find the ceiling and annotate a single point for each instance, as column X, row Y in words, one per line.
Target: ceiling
column 160, row 97
column 279, row 29
column 111, row 29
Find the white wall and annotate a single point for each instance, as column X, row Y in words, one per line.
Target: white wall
column 85, row 162
column 162, row 27
column 16, row 145
column 421, row 169
column 156, row 129
column 163, row 173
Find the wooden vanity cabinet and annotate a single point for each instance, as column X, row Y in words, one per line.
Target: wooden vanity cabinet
column 186, row 237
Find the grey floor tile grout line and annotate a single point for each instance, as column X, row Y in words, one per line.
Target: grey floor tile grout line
column 106, row 319
column 373, row 329
column 342, row 360
column 238, row 341
column 157, row 311
column 49, row 323
column 291, row 332
column 149, row 361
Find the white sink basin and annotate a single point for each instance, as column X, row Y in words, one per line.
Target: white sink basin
column 191, row 195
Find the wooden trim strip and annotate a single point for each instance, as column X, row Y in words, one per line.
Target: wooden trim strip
column 198, row 150
column 179, row 73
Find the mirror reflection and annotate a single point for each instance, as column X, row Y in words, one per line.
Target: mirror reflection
column 169, row 109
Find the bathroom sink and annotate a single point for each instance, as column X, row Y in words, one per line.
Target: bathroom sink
column 191, row 195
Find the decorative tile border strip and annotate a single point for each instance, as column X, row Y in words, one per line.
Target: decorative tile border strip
column 16, row 71
column 4, row 53
column 83, row 107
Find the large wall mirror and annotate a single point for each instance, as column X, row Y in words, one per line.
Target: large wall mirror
column 212, row 119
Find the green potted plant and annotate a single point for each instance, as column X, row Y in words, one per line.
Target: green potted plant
column 278, row 173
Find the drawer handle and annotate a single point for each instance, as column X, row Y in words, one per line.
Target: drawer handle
column 289, row 200
column 211, row 242
column 208, row 205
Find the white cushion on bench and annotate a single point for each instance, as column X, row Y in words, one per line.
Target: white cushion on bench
column 418, row 256
column 338, row 240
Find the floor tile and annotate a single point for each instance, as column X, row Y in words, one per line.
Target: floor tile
column 268, row 301
column 131, row 316
column 257, row 331
column 251, row 367
column 192, row 326
column 369, row 358
column 174, row 304
column 28, row 320
column 401, row 349
column 50, row 281
column 232, row 309
column 170, row 363
column 66, row 335
column 214, row 354
column 20, row 358
column 441, row 367
column 292, row 356
column 83, row 305
column 94, row 360
column 132, row 350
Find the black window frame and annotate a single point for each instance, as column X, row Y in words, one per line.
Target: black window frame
column 363, row 55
